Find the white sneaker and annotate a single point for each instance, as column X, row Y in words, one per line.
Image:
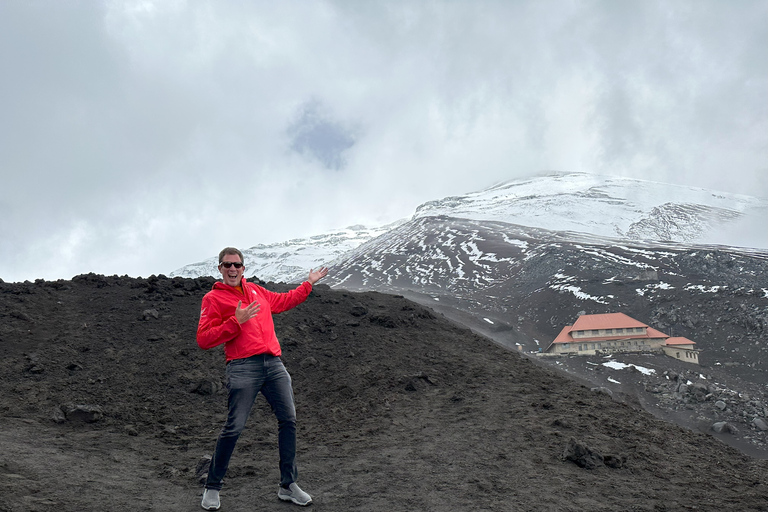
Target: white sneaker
column 210, row 500
column 295, row 494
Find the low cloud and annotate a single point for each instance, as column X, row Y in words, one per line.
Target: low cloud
column 146, row 133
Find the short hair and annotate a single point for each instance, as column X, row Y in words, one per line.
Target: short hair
column 230, row 250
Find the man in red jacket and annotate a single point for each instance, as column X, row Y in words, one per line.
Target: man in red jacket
column 239, row 315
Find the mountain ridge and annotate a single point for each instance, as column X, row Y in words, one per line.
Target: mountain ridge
column 603, row 206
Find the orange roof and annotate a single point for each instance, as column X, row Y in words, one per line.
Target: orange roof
column 564, row 336
column 605, row 321
column 653, row 333
column 679, row 340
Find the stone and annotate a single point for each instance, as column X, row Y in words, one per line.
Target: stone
column 614, row 461
column 150, row 313
column 206, row 387
column 700, row 387
column 383, row 320
column 602, row 390
column 582, row 455
column 58, row 415
column 760, row 424
column 723, row 427
column 84, row 413
column 720, row 405
column 309, row 361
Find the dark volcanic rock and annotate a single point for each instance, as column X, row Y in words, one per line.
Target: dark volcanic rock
column 582, row 455
column 410, row 412
column 84, row 413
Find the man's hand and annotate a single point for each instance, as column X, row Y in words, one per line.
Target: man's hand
column 243, row 314
column 316, row 275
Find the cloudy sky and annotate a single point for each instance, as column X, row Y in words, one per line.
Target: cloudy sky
column 140, row 136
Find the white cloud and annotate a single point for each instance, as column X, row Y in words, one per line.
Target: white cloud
column 142, row 135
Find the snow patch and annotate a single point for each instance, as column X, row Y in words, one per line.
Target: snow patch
column 616, row 365
column 576, row 291
column 704, row 289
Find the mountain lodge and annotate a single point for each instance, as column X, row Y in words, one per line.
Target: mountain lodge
column 617, row 333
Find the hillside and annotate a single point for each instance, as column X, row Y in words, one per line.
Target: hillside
column 520, row 286
column 108, row 404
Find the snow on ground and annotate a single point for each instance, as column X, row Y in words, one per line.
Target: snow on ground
column 575, row 290
column 704, row 289
column 616, row 365
column 656, row 286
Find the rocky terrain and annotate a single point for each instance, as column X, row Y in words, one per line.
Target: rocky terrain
column 520, row 286
column 108, row 404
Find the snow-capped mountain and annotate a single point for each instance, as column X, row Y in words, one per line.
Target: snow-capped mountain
column 589, row 204
column 290, row 261
column 520, row 283
column 602, row 205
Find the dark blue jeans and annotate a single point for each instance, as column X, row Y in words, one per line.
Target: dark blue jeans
column 245, row 379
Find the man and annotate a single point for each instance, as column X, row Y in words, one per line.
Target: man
column 239, row 315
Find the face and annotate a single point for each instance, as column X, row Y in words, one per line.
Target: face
column 232, row 276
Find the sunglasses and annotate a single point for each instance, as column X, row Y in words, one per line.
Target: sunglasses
column 228, row 264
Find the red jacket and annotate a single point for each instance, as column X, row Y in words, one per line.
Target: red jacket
column 256, row 336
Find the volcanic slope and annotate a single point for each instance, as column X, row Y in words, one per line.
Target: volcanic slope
column 716, row 295
column 535, row 281
column 108, row 404
column 520, row 286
